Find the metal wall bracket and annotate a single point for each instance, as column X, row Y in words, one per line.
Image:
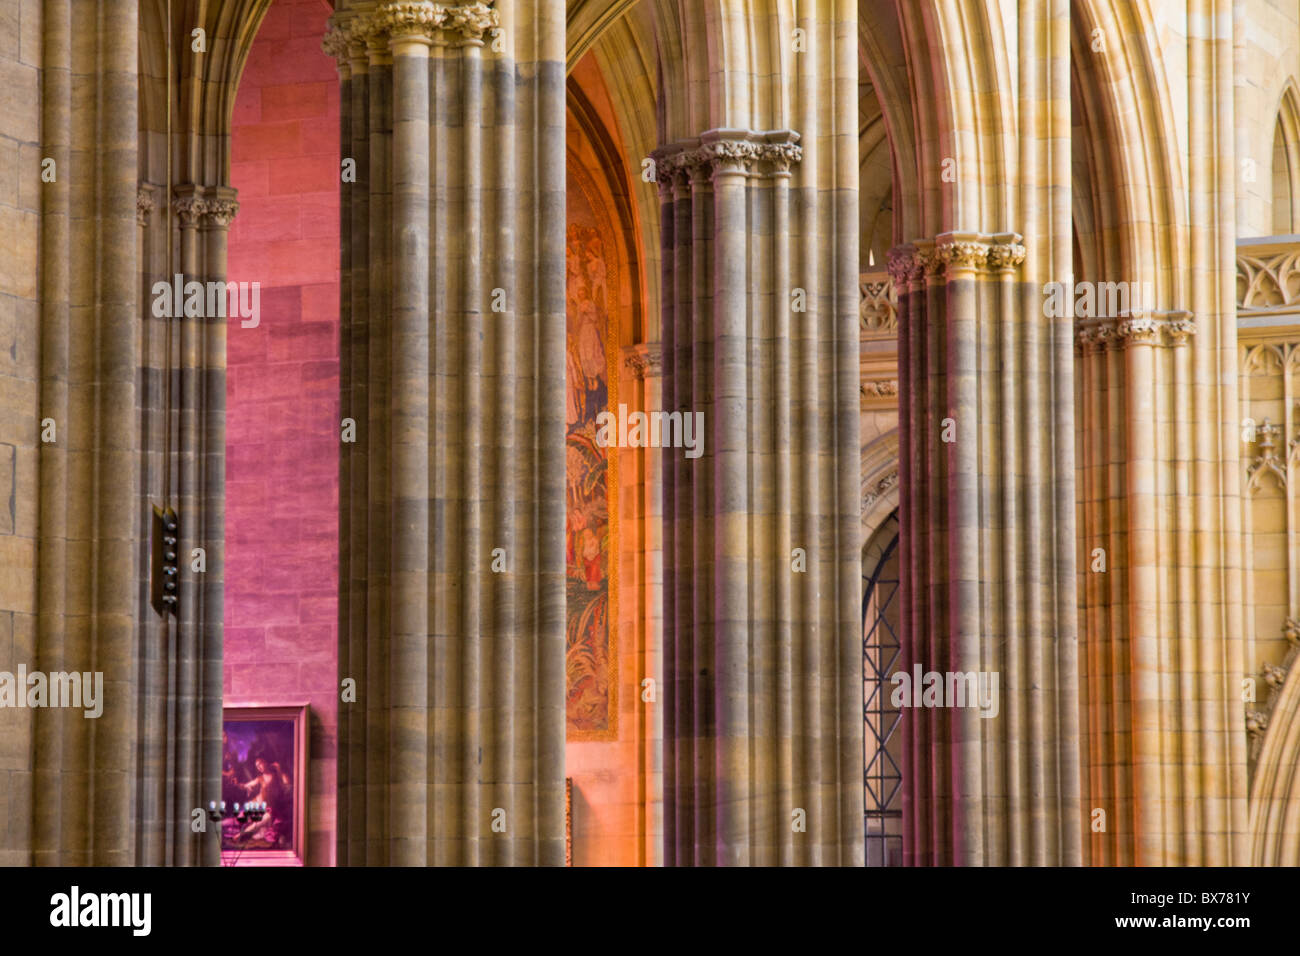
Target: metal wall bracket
column 164, row 585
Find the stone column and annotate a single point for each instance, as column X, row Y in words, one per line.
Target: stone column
column 184, row 468
column 986, row 436
column 78, row 795
column 451, row 617
column 1160, row 501
column 981, row 560
column 762, row 659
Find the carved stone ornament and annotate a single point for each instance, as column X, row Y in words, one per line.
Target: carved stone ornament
column 460, row 24
column 220, row 212
column 1266, row 461
column 1160, row 329
column 877, row 305
column 1268, row 278
column 879, row 389
column 143, row 203
column 955, row 253
column 878, row 489
column 190, row 210
column 644, row 360
column 726, row 151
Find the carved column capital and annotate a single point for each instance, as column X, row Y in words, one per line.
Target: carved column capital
column 369, row 34
column 728, row 151
column 1157, row 329
column 1006, row 252
column 144, row 203
column 928, row 266
column 467, row 24
column 336, row 45
column 645, row 359
column 220, row 212
column 961, row 252
column 190, row 207
column 953, row 254
column 898, row 262
column 207, row 206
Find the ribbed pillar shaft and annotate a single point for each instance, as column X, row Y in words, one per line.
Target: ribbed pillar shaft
column 1160, row 500
column 987, row 679
column 762, row 704
column 183, row 464
column 991, row 757
column 80, row 799
column 451, row 617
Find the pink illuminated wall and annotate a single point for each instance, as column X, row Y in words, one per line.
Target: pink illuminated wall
column 282, row 424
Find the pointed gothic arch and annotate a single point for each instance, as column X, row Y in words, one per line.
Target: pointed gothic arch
column 1286, row 162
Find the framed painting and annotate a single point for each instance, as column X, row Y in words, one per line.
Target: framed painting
column 264, row 785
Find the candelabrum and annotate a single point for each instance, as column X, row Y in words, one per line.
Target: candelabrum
column 241, row 813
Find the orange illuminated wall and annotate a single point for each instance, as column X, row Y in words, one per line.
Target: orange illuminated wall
column 605, row 754
column 282, row 425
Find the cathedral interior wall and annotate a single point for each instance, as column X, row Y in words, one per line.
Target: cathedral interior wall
column 282, row 435
column 20, row 208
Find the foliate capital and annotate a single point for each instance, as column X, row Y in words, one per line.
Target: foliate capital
column 371, row 32
column 898, row 262
column 721, row 151
column 1006, row 252
column 1170, row 329
column 220, row 212
column 644, row 359
column 952, row 254
column 190, row 209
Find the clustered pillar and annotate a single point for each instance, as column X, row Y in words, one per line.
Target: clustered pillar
column 762, row 651
column 986, row 555
column 451, row 616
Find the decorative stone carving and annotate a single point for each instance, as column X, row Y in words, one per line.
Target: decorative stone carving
column 335, row 45
column 878, row 308
column 735, row 151
column 1291, row 631
column 1266, row 461
column 220, row 212
column 463, row 24
column 1274, row 676
column 1007, row 253
column 873, row 492
column 1167, row 329
column 190, row 210
column 210, row 206
column 879, row 389
column 644, row 359
column 954, row 253
column 143, row 203
column 961, row 254
column 1269, row 281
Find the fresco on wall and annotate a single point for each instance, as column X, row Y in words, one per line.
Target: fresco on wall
column 589, row 657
